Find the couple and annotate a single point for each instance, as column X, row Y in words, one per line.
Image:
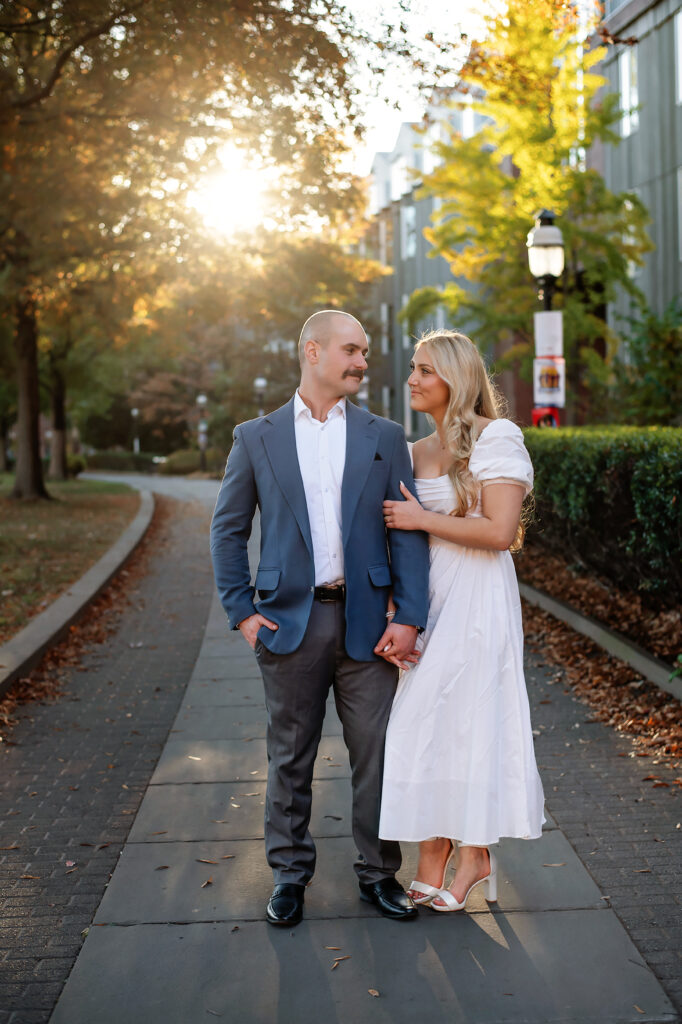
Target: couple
column 347, row 581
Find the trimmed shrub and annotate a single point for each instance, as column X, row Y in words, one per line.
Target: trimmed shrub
column 188, row 460
column 122, row 462
column 75, row 464
column 610, row 497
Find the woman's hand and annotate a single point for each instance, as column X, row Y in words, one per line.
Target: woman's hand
column 403, row 515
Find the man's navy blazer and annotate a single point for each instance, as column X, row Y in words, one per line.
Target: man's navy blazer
column 263, row 471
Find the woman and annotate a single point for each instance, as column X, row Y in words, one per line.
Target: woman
column 459, row 763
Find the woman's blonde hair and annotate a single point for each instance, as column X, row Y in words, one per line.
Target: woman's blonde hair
column 458, row 362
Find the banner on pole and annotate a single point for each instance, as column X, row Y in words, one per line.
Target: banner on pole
column 549, row 334
column 549, row 382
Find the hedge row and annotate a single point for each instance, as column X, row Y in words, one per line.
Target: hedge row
column 610, row 497
column 188, row 460
column 122, row 462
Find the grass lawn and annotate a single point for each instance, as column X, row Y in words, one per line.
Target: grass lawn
column 45, row 546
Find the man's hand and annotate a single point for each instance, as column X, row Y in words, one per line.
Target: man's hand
column 249, row 627
column 397, row 645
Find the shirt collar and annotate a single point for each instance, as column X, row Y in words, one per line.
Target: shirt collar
column 301, row 409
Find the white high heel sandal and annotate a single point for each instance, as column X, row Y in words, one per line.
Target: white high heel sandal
column 489, row 884
column 429, row 892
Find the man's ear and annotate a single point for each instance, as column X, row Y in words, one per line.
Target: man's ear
column 311, row 351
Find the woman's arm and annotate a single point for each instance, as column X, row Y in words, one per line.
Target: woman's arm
column 495, row 529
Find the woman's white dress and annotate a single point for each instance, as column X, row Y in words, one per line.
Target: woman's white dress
column 459, row 756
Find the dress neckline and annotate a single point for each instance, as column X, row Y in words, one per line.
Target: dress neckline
column 423, row 479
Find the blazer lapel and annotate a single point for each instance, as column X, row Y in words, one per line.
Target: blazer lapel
column 280, row 446
column 362, row 435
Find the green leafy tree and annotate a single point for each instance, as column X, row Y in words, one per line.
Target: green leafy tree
column 110, row 110
column 646, row 388
column 534, row 85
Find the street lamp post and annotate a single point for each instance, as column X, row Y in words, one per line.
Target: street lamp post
column 202, row 431
column 546, row 255
column 136, row 440
column 546, row 260
column 259, row 386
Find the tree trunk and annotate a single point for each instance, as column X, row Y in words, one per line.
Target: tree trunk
column 4, row 431
column 28, row 482
column 58, row 469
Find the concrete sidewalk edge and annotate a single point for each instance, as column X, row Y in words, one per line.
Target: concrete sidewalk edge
column 23, row 652
column 653, row 669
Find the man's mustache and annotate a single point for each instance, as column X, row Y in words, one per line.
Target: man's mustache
column 354, row 373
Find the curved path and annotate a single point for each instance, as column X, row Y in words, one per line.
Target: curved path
column 179, row 935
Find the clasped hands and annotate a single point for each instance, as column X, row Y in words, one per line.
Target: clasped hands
column 404, row 515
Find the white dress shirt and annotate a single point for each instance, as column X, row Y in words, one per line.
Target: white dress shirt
column 321, row 450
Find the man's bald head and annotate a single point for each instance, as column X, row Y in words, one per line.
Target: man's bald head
column 322, row 326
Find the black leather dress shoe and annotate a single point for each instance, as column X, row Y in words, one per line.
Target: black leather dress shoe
column 390, row 898
column 285, row 906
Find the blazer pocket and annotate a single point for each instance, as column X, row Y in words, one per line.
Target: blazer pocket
column 267, row 579
column 380, row 575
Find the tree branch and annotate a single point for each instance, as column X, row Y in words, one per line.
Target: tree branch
column 64, row 56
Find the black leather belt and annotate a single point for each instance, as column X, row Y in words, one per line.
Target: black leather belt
column 337, row 593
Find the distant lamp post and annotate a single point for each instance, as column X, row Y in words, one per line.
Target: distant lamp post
column 546, row 261
column 136, row 440
column 202, row 431
column 546, row 255
column 259, row 386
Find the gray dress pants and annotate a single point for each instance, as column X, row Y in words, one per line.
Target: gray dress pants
column 296, row 690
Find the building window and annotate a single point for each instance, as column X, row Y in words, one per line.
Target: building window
column 385, row 327
column 386, row 401
column 407, row 341
column 399, row 178
column 629, row 93
column 408, row 416
column 408, row 231
column 678, row 57
column 468, row 119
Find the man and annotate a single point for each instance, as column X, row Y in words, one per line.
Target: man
column 319, row 469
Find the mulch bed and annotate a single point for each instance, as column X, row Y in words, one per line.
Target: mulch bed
column 44, row 683
column 616, row 693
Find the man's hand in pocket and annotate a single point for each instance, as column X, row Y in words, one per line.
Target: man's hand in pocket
column 249, row 628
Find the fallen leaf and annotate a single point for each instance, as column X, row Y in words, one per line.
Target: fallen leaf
column 650, row 778
column 193, row 758
column 165, row 831
column 235, row 929
column 228, row 856
column 235, row 806
column 18, row 847
column 334, row 947
column 561, row 865
column 334, row 817
column 162, row 867
column 254, row 773
column 373, row 992
column 70, row 863
column 638, row 1008
column 338, row 960
column 661, row 785
column 333, row 764
column 29, row 876
column 202, row 860
column 209, row 881
column 642, row 871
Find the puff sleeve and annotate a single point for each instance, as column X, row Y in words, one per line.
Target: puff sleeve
column 500, row 456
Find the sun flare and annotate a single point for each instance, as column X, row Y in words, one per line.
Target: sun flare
column 233, row 199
